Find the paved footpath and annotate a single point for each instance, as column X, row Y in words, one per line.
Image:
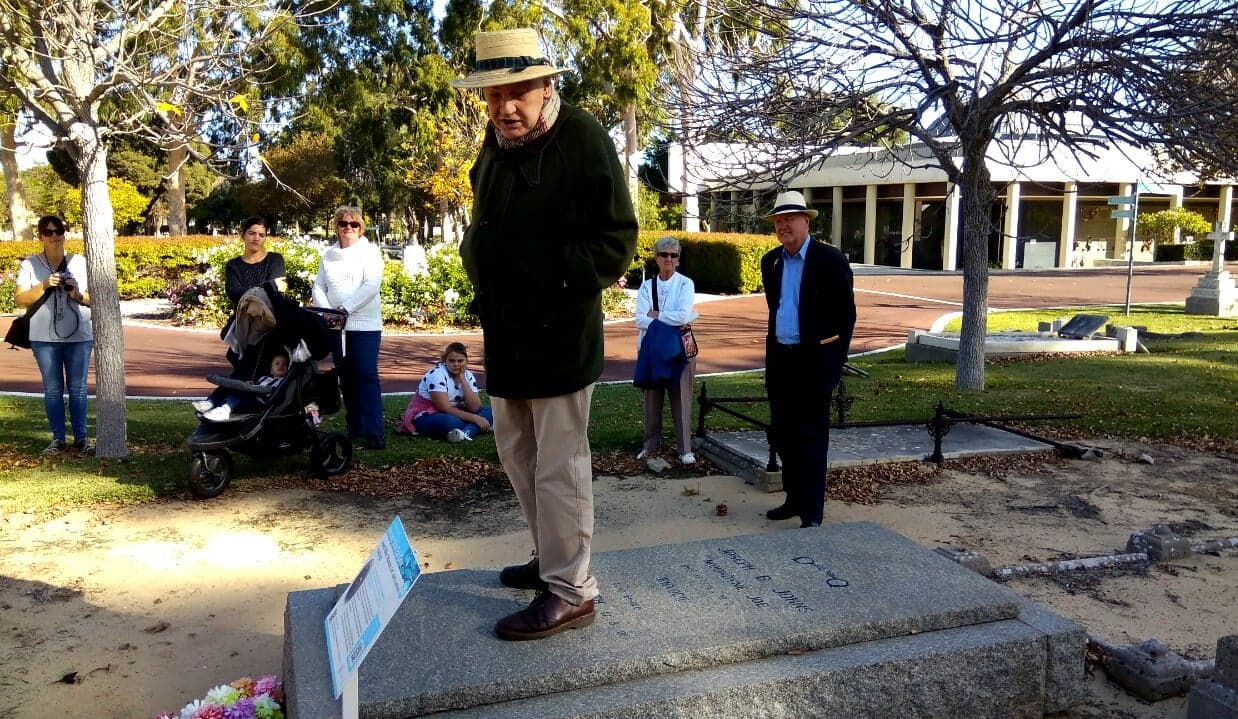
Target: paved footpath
column 173, row 362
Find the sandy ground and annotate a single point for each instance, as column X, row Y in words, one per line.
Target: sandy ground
column 153, row 605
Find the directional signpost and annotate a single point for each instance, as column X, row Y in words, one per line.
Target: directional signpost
column 1128, row 209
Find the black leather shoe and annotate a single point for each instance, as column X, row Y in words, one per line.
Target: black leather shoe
column 376, row 442
column 547, row 614
column 805, row 524
column 523, row 576
column 782, row 511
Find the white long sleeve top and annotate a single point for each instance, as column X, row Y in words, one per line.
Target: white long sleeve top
column 674, row 303
column 350, row 277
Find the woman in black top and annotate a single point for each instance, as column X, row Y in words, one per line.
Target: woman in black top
column 255, row 266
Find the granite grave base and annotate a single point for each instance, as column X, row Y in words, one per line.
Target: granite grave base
column 848, row 620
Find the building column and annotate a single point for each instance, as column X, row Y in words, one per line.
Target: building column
column 1225, row 207
column 1070, row 211
column 870, row 224
column 836, row 219
column 1121, row 226
column 1010, row 233
column 950, row 257
column 910, row 236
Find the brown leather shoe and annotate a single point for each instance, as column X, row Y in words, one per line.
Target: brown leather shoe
column 523, row 576
column 547, row 614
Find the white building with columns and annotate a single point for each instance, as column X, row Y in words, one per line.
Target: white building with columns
column 1050, row 211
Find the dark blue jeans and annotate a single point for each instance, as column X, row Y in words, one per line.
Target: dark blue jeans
column 436, row 425
column 61, row 364
column 363, row 397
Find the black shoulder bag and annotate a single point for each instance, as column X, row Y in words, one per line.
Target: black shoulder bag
column 19, row 332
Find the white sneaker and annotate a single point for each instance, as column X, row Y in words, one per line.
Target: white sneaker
column 222, row 413
column 203, row 405
column 458, row 435
column 687, row 458
column 642, row 454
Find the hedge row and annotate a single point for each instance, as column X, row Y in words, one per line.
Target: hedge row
column 1199, row 250
column 718, row 263
column 145, row 266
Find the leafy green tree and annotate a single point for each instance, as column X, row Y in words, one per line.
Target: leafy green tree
column 1163, row 226
column 128, row 204
column 302, row 186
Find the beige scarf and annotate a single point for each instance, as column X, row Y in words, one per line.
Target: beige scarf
column 550, row 113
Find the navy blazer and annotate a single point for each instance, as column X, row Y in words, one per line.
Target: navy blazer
column 827, row 303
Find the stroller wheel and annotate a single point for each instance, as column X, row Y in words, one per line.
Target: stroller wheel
column 210, row 474
column 331, row 454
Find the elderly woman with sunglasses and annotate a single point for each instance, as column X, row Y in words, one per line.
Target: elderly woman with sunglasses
column 349, row 277
column 667, row 298
column 60, row 331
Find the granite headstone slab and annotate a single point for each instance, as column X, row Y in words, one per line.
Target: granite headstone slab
column 672, row 608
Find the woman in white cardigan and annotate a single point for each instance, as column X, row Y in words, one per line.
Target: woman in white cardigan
column 675, row 294
column 349, row 277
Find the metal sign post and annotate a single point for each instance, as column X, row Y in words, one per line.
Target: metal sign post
column 1133, row 215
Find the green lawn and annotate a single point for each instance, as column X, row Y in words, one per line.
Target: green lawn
column 1185, row 391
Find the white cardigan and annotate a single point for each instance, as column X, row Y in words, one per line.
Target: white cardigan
column 674, row 303
column 350, row 277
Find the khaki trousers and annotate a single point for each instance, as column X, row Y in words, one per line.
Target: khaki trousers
column 544, row 446
column 681, row 412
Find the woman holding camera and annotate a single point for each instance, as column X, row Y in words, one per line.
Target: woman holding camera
column 60, row 332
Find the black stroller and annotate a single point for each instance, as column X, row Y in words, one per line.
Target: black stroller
column 283, row 419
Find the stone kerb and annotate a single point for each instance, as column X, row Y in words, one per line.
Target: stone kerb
column 704, row 606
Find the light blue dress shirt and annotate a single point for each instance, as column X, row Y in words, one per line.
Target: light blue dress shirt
column 787, row 320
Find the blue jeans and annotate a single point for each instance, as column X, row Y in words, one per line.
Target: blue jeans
column 63, row 363
column 437, row 424
column 363, row 397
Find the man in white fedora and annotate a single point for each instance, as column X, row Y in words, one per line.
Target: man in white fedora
column 552, row 226
column 808, row 288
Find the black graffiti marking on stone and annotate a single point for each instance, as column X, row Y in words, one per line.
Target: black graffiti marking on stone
column 832, row 579
column 726, row 576
column 737, row 558
column 789, row 597
column 672, row 589
column 757, row 600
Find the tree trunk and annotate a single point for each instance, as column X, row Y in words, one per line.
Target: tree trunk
column 110, row 423
column 631, row 151
column 19, row 212
column 178, row 224
column 975, row 205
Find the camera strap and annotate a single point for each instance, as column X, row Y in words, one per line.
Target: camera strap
column 60, row 300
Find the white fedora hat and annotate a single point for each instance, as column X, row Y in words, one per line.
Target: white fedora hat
column 790, row 202
column 507, row 56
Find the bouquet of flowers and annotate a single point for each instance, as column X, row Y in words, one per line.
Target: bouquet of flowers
column 244, row 698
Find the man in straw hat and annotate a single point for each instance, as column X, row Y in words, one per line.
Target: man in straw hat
column 552, row 226
column 811, row 316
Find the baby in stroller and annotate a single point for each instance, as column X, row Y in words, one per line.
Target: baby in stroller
column 275, row 414
column 222, row 403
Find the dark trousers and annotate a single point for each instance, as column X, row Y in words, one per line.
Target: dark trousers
column 799, row 405
column 363, row 398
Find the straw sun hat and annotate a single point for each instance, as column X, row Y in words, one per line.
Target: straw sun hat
column 788, row 203
column 507, row 56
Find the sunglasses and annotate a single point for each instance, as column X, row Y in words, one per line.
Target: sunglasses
column 345, row 223
column 672, row 255
column 51, row 232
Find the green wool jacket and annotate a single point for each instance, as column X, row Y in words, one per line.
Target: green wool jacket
column 552, row 226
